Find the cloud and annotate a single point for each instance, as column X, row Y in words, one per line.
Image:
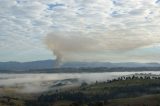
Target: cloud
column 25, row 23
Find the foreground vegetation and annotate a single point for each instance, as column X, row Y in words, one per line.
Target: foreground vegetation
column 124, row 91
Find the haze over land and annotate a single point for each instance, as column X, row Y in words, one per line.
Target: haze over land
column 37, row 83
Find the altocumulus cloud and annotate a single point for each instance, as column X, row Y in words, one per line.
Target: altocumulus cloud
column 118, row 26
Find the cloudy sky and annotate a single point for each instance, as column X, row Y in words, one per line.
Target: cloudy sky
column 124, row 30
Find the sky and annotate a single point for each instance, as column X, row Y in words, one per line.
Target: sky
column 124, row 30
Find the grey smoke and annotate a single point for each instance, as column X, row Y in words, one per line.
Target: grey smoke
column 68, row 46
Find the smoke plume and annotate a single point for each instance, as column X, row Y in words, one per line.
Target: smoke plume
column 68, row 46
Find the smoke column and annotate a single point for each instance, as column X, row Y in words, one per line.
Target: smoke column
column 67, row 44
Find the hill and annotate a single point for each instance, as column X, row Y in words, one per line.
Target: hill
column 49, row 64
column 123, row 91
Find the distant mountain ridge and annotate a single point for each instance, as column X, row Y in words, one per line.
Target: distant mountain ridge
column 49, row 64
column 42, row 64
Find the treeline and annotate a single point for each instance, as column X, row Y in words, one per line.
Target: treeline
column 83, row 70
column 98, row 69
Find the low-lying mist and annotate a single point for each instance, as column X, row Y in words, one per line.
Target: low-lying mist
column 35, row 83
